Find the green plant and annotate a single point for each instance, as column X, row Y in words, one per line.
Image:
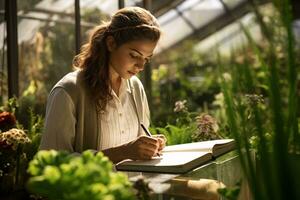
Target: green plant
column 11, row 113
column 174, row 134
column 184, row 74
column 59, row 175
column 189, row 126
column 272, row 125
column 18, row 144
column 231, row 193
column 182, row 129
column 34, row 131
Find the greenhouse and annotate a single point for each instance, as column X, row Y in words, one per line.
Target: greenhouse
column 149, row 99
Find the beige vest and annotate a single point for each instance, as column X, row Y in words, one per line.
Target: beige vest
column 74, row 126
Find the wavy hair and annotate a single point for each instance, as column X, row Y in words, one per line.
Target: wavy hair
column 127, row 24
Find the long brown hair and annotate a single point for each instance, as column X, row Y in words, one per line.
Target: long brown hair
column 127, row 24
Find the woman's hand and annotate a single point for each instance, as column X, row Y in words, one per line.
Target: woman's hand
column 143, row 148
column 162, row 141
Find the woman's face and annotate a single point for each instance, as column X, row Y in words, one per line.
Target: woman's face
column 129, row 59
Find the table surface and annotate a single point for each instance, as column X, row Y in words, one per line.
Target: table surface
column 225, row 168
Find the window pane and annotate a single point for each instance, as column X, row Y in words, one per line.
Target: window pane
column 230, row 37
column 46, row 45
column 174, row 29
column 203, row 12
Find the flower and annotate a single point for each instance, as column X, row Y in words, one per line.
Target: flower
column 180, row 106
column 13, row 138
column 227, row 77
column 207, row 127
column 7, row 121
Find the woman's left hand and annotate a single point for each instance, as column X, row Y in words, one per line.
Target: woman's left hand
column 162, row 141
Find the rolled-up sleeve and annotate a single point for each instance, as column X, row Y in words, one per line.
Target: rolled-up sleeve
column 60, row 122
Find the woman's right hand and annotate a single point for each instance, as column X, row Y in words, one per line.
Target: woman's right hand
column 142, row 148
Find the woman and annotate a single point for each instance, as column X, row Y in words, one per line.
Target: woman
column 101, row 105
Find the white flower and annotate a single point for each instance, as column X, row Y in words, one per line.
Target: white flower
column 14, row 137
column 180, row 106
column 226, row 76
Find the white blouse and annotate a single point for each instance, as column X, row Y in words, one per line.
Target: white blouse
column 119, row 122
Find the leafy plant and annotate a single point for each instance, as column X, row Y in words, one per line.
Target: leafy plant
column 18, row 144
column 34, row 131
column 175, row 134
column 189, row 126
column 184, row 74
column 231, row 193
column 272, row 125
column 59, row 175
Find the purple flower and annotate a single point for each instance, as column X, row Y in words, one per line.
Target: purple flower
column 207, row 128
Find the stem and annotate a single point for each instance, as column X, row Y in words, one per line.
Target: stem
column 17, row 165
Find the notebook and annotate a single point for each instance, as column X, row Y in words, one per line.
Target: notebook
column 180, row 158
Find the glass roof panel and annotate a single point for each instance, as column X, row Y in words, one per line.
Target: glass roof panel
column 230, row 37
column 131, row 2
column 191, row 15
column 174, row 28
column 167, row 17
column 202, row 12
column 57, row 6
column 108, row 6
column 197, row 12
column 232, row 3
column 188, row 4
column 90, row 3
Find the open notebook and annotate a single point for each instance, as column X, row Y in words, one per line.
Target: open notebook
column 180, row 158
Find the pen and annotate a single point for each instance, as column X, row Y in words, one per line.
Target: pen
column 149, row 134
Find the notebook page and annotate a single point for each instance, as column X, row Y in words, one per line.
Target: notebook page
column 205, row 146
column 169, row 159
